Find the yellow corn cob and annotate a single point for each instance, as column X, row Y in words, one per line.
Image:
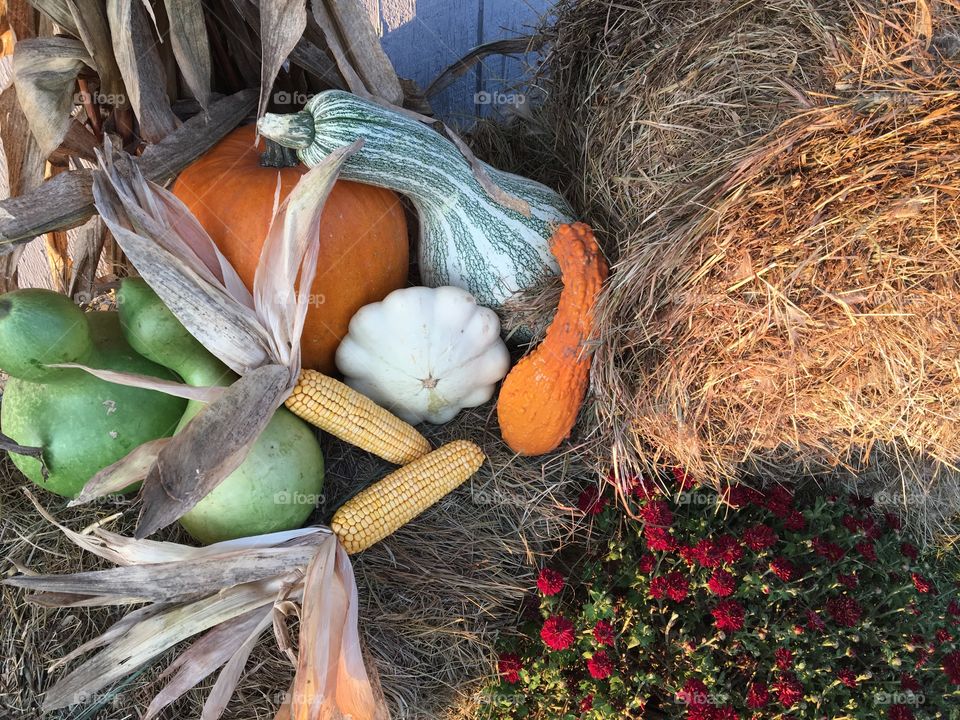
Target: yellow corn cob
column 354, row 418
column 375, row 512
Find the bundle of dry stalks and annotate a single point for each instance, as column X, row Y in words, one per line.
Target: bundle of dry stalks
column 778, row 183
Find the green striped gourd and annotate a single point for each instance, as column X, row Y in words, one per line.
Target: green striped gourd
column 467, row 239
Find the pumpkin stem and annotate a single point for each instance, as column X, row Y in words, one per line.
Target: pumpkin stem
column 294, row 130
column 278, row 156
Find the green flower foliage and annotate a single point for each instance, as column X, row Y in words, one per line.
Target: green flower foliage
column 736, row 605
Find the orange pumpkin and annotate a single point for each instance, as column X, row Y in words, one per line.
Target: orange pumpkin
column 364, row 247
column 541, row 397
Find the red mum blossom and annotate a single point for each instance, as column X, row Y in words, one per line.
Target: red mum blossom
column 784, row 658
column 591, row 501
column 831, row 551
column 740, row 496
column 586, row 705
column 549, row 582
column 683, row 480
column 871, row 527
column 848, row 580
column 757, row 695
column 603, row 633
column 783, row 568
column 943, row 636
column 953, row 608
column 600, row 665
column 908, row 551
column 844, row 610
column 951, row 666
column 557, row 632
column 657, row 512
column 788, row 689
column 815, row 622
column 866, row 550
column 892, row 521
column 795, row 521
column 909, row 683
column 759, row 537
column 687, row 552
column 728, row 615
column 722, row 583
column 509, row 667
column 706, row 553
column 921, row 583
column 658, row 587
column 729, row 548
column 659, row 539
column 863, row 502
column 850, row 523
column 724, row 712
column 694, row 692
column 646, row 562
column 677, row 586
column 848, row 677
column 899, row 711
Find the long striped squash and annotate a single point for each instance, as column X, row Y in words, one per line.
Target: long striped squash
column 467, row 239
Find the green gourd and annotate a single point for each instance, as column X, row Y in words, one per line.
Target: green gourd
column 81, row 424
column 467, row 238
column 279, row 483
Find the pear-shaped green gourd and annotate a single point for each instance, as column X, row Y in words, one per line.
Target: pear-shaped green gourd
column 280, row 481
column 82, row 424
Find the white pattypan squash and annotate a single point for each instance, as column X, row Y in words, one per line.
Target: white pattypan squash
column 424, row 353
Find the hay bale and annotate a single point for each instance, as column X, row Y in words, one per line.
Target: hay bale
column 777, row 181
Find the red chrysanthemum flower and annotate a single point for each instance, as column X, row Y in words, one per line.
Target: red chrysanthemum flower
column 693, row 692
column 646, row 563
column 740, row 496
column 600, row 665
column 921, row 583
column 848, row 677
column 722, row 583
column 706, row 554
column 728, row 615
column 724, row 712
column 783, row 568
column 657, row 512
column 591, row 501
column 788, row 689
column 659, row 539
column 795, row 521
column 893, row 522
column 683, row 480
column 850, row 523
column 557, row 632
column 549, row 582
column 509, row 667
column 951, row 666
column 943, row 636
column 815, row 622
column 759, row 537
column 908, row 551
column 677, row 586
column 867, row 551
column 729, row 548
column 864, row 502
column 848, row 580
column 798, row 630
column 784, row 658
column 953, row 608
column 658, row 587
column 586, row 705
column 871, row 527
column 844, row 610
column 757, row 695
column 899, row 711
column 909, row 683
column 779, row 501
column 830, row 550
column 603, row 633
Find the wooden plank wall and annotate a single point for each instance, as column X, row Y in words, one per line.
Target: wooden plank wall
column 422, row 37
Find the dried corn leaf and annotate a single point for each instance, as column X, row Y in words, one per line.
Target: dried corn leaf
column 92, row 27
column 361, row 47
column 135, row 49
column 59, row 12
column 67, row 200
column 281, row 24
column 45, row 74
column 122, row 474
column 188, row 36
column 227, row 681
column 148, row 382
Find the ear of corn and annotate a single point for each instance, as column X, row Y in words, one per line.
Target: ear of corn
column 379, row 510
column 354, row 418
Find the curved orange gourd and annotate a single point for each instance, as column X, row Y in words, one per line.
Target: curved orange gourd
column 364, row 247
column 542, row 395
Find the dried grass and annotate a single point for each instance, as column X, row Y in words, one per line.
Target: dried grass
column 776, row 181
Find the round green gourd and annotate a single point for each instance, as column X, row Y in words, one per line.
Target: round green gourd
column 279, row 483
column 81, row 423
